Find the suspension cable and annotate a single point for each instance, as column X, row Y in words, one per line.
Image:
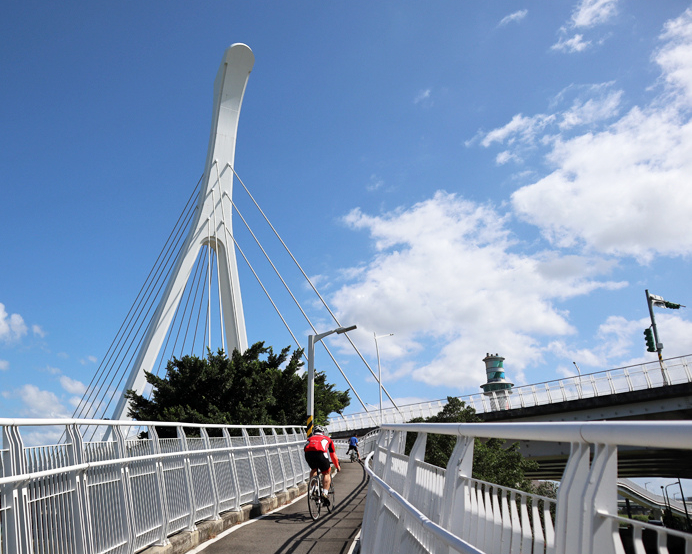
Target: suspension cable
column 88, row 399
column 324, row 303
column 288, row 327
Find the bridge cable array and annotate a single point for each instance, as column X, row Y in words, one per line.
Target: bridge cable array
column 107, row 381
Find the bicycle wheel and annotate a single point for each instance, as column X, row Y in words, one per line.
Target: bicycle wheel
column 314, row 497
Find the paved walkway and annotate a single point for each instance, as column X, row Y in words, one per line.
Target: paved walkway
column 292, row 531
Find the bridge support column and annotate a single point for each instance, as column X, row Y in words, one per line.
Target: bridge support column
column 210, row 226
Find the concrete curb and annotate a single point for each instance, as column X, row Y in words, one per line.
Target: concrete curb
column 187, row 540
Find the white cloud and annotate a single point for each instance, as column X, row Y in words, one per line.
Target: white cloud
column 505, row 157
column 593, row 12
column 446, row 269
column 375, row 183
column 586, row 15
column 40, row 403
column 618, row 336
column 513, row 17
column 573, row 44
column 621, row 189
column 592, row 110
column 422, row 96
column 38, row 331
column 521, row 128
column 12, row 327
column 675, row 57
column 4, row 365
column 72, row 386
column 624, row 191
column 52, row 370
column 591, row 104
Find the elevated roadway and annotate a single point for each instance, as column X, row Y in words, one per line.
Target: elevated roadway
column 672, row 402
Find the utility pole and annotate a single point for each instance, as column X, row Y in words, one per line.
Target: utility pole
column 656, row 345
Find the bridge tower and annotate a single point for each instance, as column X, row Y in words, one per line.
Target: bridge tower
column 210, row 227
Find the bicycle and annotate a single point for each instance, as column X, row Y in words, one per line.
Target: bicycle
column 315, row 498
column 353, row 456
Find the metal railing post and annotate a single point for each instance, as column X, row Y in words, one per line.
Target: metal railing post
column 234, row 469
column 187, row 471
column 570, row 509
column 15, row 496
column 160, row 486
column 601, row 534
column 253, row 470
column 212, row 473
column 124, row 491
column 79, row 497
column 456, row 494
column 267, row 456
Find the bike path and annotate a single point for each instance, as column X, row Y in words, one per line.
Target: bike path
column 292, row 531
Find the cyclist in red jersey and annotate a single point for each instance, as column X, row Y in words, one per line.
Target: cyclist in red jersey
column 318, row 452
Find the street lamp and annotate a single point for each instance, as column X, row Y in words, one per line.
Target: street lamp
column 379, row 369
column 312, row 340
column 578, row 386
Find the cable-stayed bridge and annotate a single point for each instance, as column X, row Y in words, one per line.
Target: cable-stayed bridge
column 108, row 488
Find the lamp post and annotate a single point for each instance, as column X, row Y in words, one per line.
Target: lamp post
column 579, row 372
column 312, row 340
column 379, row 369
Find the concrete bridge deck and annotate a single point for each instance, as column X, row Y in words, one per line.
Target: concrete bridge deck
column 291, row 530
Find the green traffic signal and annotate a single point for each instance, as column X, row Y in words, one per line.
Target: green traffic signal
column 671, row 305
column 649, row 337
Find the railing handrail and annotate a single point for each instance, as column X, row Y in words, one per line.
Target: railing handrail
column 657, row 434
column 519, row 394
column 28, row 422
column 138, row 491
column 404, row 498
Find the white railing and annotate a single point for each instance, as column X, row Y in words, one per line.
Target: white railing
column 625, row 379
column 121, row 495
column 366, row 444
column 412, row 506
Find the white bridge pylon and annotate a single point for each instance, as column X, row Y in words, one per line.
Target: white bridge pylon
column 210, row 227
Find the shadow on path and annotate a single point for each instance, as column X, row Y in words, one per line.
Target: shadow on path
column 292, row 531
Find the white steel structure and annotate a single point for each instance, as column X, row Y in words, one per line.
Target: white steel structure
column 603, row 383
column 211, row 225
column 416, row 507
column 121, row 495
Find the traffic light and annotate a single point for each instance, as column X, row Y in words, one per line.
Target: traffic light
column 649, row 337
column 671, row 305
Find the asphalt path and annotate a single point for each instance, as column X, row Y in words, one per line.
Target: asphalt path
column 291, row 530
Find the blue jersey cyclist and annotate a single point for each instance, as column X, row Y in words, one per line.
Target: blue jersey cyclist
column 353, row 445
column 318, row 452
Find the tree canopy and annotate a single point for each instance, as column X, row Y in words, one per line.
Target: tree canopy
column 492, row 461
column 246, row 389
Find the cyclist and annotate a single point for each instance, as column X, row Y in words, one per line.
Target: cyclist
column 353, row 445
column 318, row 452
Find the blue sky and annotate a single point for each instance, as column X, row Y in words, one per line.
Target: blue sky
column 472, row 177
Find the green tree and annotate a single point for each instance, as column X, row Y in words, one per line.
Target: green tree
column 492, row 461
column 246, row 389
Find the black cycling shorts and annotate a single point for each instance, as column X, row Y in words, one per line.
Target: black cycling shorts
column 318, row 460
